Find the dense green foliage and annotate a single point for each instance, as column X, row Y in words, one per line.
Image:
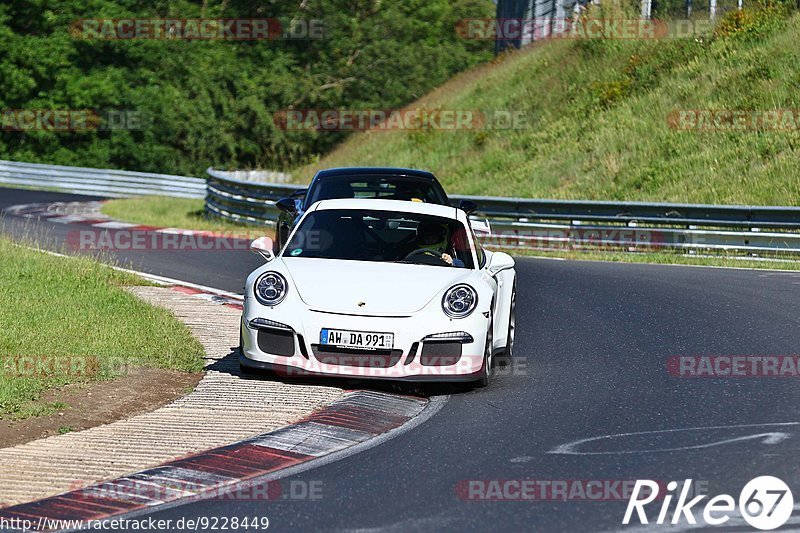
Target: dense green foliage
column 207, row 103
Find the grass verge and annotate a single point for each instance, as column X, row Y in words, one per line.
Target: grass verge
column 68, row 320
column 185, row 213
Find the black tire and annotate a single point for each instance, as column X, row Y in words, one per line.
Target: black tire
column 488, row 360
column 508, row 351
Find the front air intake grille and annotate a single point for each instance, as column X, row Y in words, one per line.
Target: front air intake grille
column 359, row 358
column 440, row 353
column 302, row 342
column 412, row 353
column 276, row 342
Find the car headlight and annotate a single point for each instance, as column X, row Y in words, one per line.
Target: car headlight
column 270, row 288
column 459, row 301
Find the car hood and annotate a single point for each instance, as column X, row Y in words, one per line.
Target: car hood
column 369, row 288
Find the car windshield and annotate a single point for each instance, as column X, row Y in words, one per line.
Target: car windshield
column 382, row 236
column 384, row 187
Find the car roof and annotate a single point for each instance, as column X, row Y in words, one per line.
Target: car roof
column 388, row 171
column 402, row 206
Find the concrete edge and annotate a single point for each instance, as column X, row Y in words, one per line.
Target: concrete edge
column 88, row 213
column 353, row 421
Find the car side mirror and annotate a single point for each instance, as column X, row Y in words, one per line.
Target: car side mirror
column 500, row 261
column 287, row 205
column 468, row 206
column 263, row 247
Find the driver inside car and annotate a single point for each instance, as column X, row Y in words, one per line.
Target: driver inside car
column 432, row 238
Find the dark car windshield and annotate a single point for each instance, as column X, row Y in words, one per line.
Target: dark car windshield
column 377, row 186
column 381, row 236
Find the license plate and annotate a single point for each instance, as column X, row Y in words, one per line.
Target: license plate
column 364, row 340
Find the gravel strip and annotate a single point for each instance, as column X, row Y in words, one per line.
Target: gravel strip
column 224, row 408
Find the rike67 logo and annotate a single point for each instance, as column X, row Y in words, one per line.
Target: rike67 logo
column 765, row 503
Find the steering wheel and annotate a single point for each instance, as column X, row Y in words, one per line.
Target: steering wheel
column 430, row 255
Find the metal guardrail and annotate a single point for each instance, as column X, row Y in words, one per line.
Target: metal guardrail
column 517, row 223
column 100, row 182
column 248, row 202
column 530, row 224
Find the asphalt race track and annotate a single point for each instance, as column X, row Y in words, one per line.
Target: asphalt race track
column 593, row 341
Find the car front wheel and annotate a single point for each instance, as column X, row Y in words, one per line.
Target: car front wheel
column 508, row 352
column 488, row 358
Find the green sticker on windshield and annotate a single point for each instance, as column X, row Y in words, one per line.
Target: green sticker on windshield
column 296, row 252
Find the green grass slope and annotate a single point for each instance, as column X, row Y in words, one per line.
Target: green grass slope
column 597, row 113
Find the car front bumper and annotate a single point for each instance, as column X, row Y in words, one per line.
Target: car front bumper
column 289, row 344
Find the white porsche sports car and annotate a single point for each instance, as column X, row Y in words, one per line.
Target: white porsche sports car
column 380, row 289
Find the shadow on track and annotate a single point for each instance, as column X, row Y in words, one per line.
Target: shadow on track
column 230, row 365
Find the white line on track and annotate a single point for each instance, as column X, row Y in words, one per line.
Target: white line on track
column 646, row 263
column 161, row 280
